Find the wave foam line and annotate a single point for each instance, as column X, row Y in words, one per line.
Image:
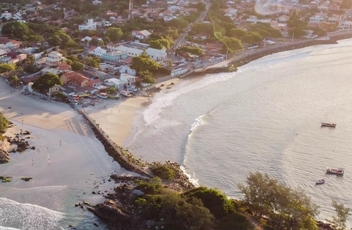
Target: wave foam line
column 191, row 178
column 28, row 216
column 152, row 113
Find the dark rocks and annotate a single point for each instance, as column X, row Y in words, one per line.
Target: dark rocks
column 26, row 178
column 4, row 156
column 110, row 211
column 95, row 224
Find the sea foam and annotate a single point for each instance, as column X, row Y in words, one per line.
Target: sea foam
column 27, row 216
column 152, row 113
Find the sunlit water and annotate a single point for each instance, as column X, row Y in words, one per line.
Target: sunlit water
column 265, row 117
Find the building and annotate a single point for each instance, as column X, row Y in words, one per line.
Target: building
column 117, row 83
column 156, row 54
column 143, row 34
column 114, row 57
column 90, row 25
column 132, row 52
column 54, row 58
column 75, row 79
column 128, row 79
column 97, row 51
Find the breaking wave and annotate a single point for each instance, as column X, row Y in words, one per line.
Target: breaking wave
column 152, row 113
column 16, row 215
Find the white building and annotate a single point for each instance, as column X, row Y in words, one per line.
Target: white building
column 98, row 51
column 117, row 83
column 156, row 54
column 143, row 34
column 96, row 2
column 90, row 25
column 128, row 79
column 53, row 59
column 132, row 52
column 6, row 15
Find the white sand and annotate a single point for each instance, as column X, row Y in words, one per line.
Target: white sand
column 78, row 158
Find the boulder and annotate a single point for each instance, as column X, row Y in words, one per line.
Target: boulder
column 110, row 211
column 4, row 155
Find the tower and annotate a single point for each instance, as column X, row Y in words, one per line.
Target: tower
column 130, row 8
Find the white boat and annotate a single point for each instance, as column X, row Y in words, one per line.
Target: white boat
column 321, row 181
column 336, row 171
column 102, row 95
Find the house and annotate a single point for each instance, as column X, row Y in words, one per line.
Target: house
column 54, row 89
column 156, row 54
column 128, row 79
column 117, row 83
column 98, row 51
column 114, row 57
column 143, row 34
column 95, row 83
column 316, row 19
column 53, row 59
column 132, row 52
column 3, row 53
column 74, row 78
column 90, row 25
column 6, row 15
column 345, row 25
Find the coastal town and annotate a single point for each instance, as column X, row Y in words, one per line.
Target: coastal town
column 73, row 76
column 109, row 53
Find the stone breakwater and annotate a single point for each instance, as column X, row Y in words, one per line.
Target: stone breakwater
column 123, row 157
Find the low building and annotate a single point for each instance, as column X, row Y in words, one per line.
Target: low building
column 114, row 57
column 98, row 51
column 114, row 82
column 128, row 79
column 75, row 79
column 54, row 58
column 142, row 34
column 156, row 54
column 90, row 25
column 132, row 52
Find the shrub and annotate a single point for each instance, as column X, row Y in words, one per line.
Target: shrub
column 3, row 123
column 164, row 172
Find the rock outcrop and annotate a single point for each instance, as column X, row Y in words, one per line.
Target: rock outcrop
column 4, row 156
column 111, row 212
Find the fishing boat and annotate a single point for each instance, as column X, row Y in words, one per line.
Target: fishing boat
column 102, row 95
column 336, row 171
column 328, row 124
column 321, row 181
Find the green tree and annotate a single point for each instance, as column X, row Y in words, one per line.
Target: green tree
column 15, row 29
column 144, row 62
column 15, row 81
column 77, row 66
column 237, row 32
column 114, row 34
column 112, row 90
column 7, row 67
column 217, row 202
column 286, row 208
column 147, row 76
column 46, row 81
column 3, row 123
column 342, row 213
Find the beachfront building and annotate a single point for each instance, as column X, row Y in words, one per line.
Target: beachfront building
column 117, row 83
column 90, row 25
column 54, row 89
column 129, row 80
column 75, row 79
column 156, row 54
column 54, row 58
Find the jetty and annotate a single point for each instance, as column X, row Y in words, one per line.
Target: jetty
column 122, row 156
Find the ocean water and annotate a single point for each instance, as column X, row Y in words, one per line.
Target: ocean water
column 265, row 117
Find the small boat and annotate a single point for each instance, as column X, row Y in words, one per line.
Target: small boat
column 321, row 181
column 328, row 124
column 336, row 171
column 102, row 95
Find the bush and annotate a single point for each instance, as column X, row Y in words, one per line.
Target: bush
column 164, row 172
column 234, row 221
column 217, row 202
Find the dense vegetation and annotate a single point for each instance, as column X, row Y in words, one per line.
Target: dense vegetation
column 45, row 82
